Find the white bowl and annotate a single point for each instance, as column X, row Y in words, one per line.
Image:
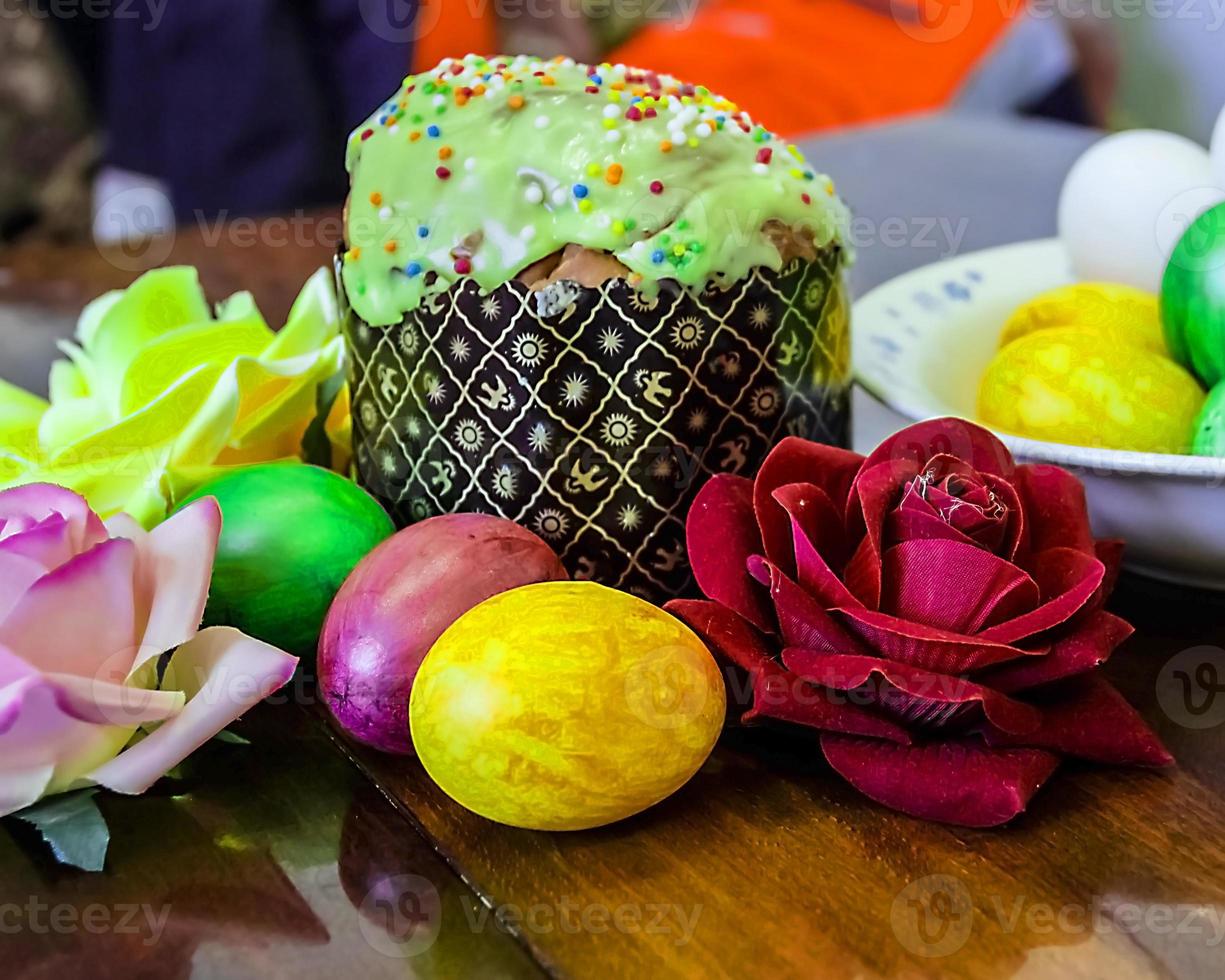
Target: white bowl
column 923, row 340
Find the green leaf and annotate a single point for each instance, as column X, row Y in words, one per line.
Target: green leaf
column 230, row 738
column 73, row 827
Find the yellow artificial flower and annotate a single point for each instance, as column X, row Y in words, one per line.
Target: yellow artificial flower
column 158, row 396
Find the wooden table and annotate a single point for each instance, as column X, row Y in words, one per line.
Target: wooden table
column 301, row 855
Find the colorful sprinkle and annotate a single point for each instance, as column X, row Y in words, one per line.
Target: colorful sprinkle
column 433, row 132
column 443, row 173
column 412, row 269
column 444, row 153
column 463, row 266
column 614, row 174
column 657, row 187
column 389, row 248
column 516, row 102
column 581, row 191
column 376, row 199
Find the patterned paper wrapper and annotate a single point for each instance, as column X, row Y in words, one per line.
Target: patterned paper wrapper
column 591, row 415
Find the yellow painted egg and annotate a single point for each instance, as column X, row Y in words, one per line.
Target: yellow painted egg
column 564, row 706
column 1123, row 313
column 1065, row 385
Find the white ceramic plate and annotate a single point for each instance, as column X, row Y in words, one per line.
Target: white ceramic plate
column 921, row 343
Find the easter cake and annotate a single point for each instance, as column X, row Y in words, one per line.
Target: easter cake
column 574, row 292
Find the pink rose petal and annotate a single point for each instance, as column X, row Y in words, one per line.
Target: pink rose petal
column 102, row 703
column 48, row 542
column 925, row 646
column 793, row 460
column 88, row 597
column 1089, row 719
column 174, row 567
column 917, row 697
column 17, row 574
column 19, row 788
column 721, row 532
column 223, row 673
column 960, row 781
column 954, row 586
column 36, row 501
column 1085, row 648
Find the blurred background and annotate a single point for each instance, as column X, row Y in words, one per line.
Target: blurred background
column 121, row 118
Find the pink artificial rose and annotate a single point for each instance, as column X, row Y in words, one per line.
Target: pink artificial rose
column 934, row 609
column 86, row 610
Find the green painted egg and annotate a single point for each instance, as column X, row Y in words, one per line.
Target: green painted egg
column 1193, row 298
column 1209, row 435
column 290, row 536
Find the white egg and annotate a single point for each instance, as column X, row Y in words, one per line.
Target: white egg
column 1218, row 150
column 1127, row 201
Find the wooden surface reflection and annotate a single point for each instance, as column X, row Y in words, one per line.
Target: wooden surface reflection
column 272, row 859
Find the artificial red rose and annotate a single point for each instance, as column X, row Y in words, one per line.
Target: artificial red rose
column 935, row 610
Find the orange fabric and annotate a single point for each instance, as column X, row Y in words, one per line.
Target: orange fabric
column 795, row 65
column 800, row 65
column 452, row 29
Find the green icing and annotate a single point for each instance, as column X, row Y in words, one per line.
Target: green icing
column 530, row 151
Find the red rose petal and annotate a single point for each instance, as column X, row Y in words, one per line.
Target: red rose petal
column 721, row 533
column 1089, row 719
column 798, row 461
column 802, row 620
column 811, row 516
column 915, row 445
column 781, row 696
column 1068, row 579
column 872, row 498
column 730, row 637
column 740, row 649
column 1110, row 554
column 954, row 586
column 1094, row 639
column 918, row 697
column 910, row 524
column 1054, row 501
column 1016, row 537
column 925, row 646
column 959, row 781
column 862, row 575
